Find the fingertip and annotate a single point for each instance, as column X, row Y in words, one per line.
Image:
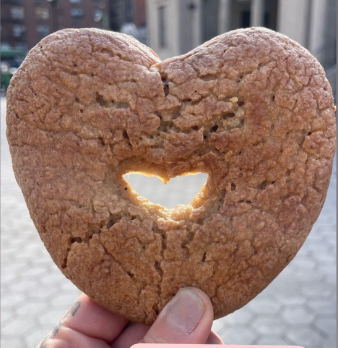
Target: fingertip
column 87, row 317
column 186, row 319
column 209, row 311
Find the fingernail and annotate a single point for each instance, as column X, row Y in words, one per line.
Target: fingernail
column 184, row 311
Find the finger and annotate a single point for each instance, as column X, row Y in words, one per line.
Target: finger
column 131, row 335
column 69, row 338
column 90, row 319
column 186, row 319
column 214, row 339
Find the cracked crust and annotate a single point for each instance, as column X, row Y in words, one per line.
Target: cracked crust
column 251, row 108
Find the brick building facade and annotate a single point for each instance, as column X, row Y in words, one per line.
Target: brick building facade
column 26, row 22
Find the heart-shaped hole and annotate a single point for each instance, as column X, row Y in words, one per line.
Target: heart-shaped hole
column 178, row 191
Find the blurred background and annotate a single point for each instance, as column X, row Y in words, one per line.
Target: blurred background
column 299, row 307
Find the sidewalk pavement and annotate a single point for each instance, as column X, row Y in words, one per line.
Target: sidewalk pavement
column 297, row 308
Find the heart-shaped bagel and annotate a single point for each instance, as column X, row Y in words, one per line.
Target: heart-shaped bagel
column 250, row 108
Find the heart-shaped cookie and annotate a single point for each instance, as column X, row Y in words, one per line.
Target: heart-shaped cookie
column 250, row 108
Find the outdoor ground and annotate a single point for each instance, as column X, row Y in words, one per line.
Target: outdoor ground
column 298, row 308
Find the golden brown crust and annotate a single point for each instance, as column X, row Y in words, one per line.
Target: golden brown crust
column 250, row 108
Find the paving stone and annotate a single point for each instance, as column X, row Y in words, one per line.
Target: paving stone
column 7, row 277
column 272, row 340
column 45, row 329
column 316, row 248
column 31, row 309
column 5, row 238
column 238, row 334
column 318, row 234
column 330, row 342
column 308, row 276
column 270, row 291
column 27, row 253
column 291, row 300
column 327, row 219
column 8, row 251
column 327, row 325
column 218, row 326
column 288, row 271
column 6, row 314
column 267, row 325
column 287, row 288
column 14, row 268
column 10, row 342
column 35, row 272
column 44, row 260
column 9, row 300
column 304, row 264
column 320, row 290
column 324, row 231
column 51, row 317
column 264, row 305
column 20, row 240
column 17, row 327
column 322, row 306
column 68, row 286
column 241, row 316
column 330, row 280
column 33, row 338
column 333, row 249
column 323, row 256
column 298, row 315
column 322, row 344
column 44, row 293
column 22, row 285
column 54, row 278
column 328, row 269
column 65, row 300
column 303, row 335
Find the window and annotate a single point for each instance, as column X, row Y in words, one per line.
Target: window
column 18, row 30
column 162, row 35
column 209, row 19
column 17, row 12
column 97, row 15
column 270, row 15
column 245, row 19
column 128, row 8
column 76, row 12
column 43, row 30
column 41, row 13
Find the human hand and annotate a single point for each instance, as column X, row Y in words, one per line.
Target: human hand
column 186, row 319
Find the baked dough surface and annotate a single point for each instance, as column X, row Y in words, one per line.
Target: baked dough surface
column 250, row 108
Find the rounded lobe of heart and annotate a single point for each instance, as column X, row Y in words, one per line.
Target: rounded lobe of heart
column 250, row 108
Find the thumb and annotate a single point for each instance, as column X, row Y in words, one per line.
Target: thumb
column 187, row 318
